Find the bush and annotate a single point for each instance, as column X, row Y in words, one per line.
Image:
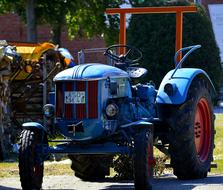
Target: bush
column 154, row 34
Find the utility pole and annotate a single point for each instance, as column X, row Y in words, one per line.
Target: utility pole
column 31, row 21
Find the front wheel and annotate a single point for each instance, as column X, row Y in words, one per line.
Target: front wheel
column 30, row 159
column 142, row 159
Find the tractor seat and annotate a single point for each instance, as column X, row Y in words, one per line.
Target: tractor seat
column 136, row 72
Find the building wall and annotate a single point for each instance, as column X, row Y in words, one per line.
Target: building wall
column 206, row 2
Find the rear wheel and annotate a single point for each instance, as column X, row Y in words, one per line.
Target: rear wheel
column 90, row 167
column 143, row 159
column 30, row 160
column 192, row 132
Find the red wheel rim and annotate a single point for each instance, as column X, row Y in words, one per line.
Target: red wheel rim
column 202, row 129
column 38, row 174
column 38, row 170
column 151, row 160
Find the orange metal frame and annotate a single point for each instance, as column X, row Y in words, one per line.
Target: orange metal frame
column 178, row 10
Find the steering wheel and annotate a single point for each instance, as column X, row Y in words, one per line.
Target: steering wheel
column 132, row 55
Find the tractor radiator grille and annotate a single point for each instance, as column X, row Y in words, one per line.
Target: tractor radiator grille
column 88, row 110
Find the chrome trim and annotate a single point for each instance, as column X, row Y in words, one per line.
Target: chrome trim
column 87, row 79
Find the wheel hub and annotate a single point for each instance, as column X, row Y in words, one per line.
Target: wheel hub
column 202, row 129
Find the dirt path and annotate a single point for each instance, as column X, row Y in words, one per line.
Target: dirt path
column 168, row 182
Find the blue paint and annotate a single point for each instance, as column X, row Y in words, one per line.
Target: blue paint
column 33, row 125
column 66, row 54
column 147, row 94
column 182, row 78
column 52, row 98
column 137, row 123
column 106, row 148
column 90, row 71
column 179, row 64
column 93, row 128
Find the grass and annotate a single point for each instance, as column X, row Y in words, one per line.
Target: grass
column 50, row 168
column 218, row 151
column 10, row 169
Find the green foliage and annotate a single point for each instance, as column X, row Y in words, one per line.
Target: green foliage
column 89, row 19
column 84, row 18
column 154, row 34
column 4, row 6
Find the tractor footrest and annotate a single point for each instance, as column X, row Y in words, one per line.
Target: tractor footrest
column 107, row 148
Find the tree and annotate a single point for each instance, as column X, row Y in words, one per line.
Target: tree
column 4, row 6
column 26, row 9
column 89, row 20
column 157, row 41
column 54, row 13
column 84, row 18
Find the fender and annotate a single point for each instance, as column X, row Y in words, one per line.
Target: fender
column 181, row 81
column 34, row 125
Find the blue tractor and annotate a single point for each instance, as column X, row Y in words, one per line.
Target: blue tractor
column 102, row 111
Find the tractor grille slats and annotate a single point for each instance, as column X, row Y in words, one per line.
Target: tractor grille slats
column 81, row 108
column 92, row 101
column 88, row 110
column 59, row 98
column 68, row 107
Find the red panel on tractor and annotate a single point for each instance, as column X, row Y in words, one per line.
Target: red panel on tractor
column 81, row 108
column 92, row 99
column 68, row 107
column 59, row 100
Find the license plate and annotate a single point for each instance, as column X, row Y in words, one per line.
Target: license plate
column 74, row 97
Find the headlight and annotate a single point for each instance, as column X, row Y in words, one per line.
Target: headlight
column 48, row 110
column 112, row 110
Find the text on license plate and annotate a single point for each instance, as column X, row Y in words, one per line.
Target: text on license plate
column 74, row 97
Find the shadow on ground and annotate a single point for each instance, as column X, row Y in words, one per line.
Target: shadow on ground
column 172, row 183
column 6, row 188
column 168, row 182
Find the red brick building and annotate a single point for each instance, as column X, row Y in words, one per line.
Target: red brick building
column 13, row 29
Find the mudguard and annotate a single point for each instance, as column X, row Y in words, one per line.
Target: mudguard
column 33, row 125
column 181, row 81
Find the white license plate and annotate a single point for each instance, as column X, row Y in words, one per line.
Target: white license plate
column 74, row 97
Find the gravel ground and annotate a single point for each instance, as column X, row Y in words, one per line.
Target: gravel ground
column 168, row 182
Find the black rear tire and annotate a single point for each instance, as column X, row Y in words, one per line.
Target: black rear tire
column 31, row 165
column 90, row 167
column 191, row 132
column 143, row 153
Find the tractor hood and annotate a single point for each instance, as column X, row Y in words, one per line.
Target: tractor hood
column 90, row 71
